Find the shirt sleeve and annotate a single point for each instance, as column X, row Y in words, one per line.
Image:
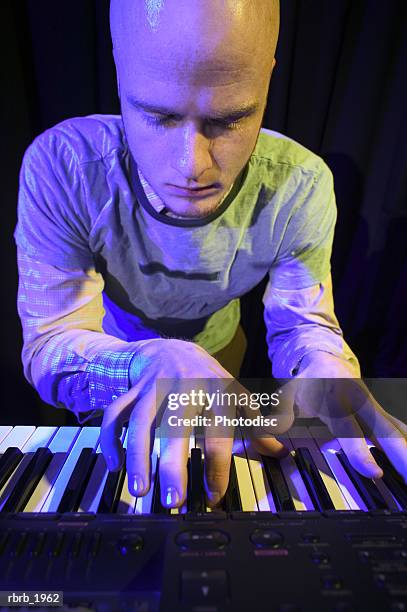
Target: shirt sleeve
column 66, row 355
column 300, row 321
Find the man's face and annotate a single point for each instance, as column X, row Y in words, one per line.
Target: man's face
column 193, row 92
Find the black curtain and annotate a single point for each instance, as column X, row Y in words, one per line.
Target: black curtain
column 339, row 88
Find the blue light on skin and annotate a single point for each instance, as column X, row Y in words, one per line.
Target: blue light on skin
column 193, row 89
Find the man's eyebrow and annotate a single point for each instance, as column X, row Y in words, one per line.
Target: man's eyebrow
column 227, row 115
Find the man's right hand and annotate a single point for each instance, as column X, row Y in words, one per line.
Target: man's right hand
column 169, row 359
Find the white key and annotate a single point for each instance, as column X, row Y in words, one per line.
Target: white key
column 17, row 437
column 127, row 501
column 60, row 445
column 329, row 446
column 244, row 479
column 293, row 478
column 143, row 504
column 264, row 497
column 39, row 438
column 300, row 436
column 4, row 431
column 88, row 437
column 184, row 508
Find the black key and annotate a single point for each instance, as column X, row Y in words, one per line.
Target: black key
column 313, row 481
column 28, row 481
column 365, row 486
column 278, row 485
column 196, row 493
column 8, row 463
column 231, row 500
column 77, row 483
column 156, row 506
column 391, row 478
column 111, row 491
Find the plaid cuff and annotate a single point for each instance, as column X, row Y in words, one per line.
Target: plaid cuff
column 108, row 375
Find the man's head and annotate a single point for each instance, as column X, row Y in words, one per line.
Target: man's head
column 193, row 79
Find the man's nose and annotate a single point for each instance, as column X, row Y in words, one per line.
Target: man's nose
column 193, row 157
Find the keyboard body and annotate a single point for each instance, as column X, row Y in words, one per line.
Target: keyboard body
column 145, row 558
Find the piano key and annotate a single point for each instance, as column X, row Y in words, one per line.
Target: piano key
column 156, row 506
column 329, row 447
column 8, row 463
column 313, row 480
column 262, row 490
column 111, row 491
column 29, row 439
column 231, row 501
column 196, row 493
column 298, row 490
column 40, row 438
column 60, row 445
column 4, row 431
column 278, row 485
column 144, row 504
column 300, row 436
column 245, row 484
column 28, row 480
column 76, row 484
column 184, row 508
column 127, row 501
column 97, row 480
column 366, row 487
column 200, row 443
column 391, row 478
column 17, row 437
column 88, row 437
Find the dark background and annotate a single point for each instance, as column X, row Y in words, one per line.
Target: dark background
column 339, row 88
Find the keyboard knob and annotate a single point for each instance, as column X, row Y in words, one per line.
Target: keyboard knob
column 266, row 538
column 130, row 543
column 202, row 540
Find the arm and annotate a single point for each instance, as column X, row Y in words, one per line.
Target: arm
column 66, row 355
column 299, row 309
column 299, row 323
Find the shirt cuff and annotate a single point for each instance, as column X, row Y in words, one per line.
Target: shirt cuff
column 88, row 393
column 287, row 358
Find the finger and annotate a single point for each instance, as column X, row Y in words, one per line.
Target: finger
column 173, row 469
column 354, row 445
column 396, row 450
column 268, row 446
column 113, row 418
column 218, row 454
column 139, row 444
column 386, row 431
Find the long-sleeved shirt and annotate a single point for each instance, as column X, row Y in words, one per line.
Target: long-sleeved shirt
column 101, row 269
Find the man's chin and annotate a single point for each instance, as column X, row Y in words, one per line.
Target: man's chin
column 194, row 208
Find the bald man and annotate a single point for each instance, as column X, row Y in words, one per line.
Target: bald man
column 138, row 233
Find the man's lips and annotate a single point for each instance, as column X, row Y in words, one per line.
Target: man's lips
column 194, row 192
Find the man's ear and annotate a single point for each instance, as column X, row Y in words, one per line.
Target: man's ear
column 116, row 61
column 273, row 64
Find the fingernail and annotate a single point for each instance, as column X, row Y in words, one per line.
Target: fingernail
column 214, row 497
column 138, row 484
column 171, row 496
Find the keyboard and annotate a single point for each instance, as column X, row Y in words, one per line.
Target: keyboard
column 305, row 532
